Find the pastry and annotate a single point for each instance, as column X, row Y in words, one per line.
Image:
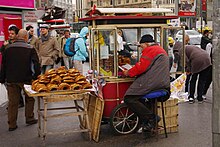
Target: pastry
column 41, row 88
column 51, row 71
column 56, row 80
column 74, row 74
column 73, row 70
column 69, row 81
column 52, row 87
column 75, row 86
column 87, row 86
column 80, row 78
column 82, row 82
column 64, row 86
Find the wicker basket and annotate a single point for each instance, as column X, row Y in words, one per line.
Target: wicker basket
column 171, row 116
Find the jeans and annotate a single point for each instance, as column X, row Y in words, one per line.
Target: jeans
column 78, row 65
column 201, row 83
column 44, row 68
column 66, row 61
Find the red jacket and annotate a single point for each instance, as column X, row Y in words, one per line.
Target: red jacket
column 148, row 54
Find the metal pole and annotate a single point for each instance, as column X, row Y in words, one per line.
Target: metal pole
column 216, row 75
column 201, row 14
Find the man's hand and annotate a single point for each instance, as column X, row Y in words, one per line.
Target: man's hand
column 6, row 43
column 125, row 72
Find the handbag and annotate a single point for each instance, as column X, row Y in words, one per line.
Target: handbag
column 3, row 95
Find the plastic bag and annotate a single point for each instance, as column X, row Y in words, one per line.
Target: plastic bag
column 3, row 95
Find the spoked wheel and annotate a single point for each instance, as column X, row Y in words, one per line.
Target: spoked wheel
column 123, row 120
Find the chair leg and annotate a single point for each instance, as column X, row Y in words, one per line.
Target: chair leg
column 164, row 121
column 156, row 112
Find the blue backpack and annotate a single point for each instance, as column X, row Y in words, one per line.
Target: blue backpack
column 69, row 48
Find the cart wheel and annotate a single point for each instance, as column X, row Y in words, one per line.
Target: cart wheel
column 123, row 120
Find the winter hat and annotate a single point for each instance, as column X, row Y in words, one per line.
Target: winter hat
column 146, row 38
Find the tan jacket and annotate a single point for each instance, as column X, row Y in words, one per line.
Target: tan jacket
column 34, row 41
column 62, row 42
column 48, row 51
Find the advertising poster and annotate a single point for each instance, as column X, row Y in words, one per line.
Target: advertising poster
column 30, row 4
column 187, row 8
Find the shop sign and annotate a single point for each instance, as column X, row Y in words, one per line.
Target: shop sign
column 187, row 7
column 30, row 16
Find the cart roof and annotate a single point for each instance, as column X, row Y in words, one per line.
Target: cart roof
column 128, row 16
column 115, row 11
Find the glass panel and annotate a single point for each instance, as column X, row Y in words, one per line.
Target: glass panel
column 130, row 53
column 176, row 52
column 151, row 31
column 103, row 52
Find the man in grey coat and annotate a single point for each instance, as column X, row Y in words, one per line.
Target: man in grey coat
column 198, row 62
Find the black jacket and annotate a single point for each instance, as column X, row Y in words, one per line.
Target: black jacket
column 17, row 62
column 204, row 41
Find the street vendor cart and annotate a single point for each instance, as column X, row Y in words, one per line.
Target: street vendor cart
column 113, row 37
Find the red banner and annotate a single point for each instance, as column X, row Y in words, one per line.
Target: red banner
column 187, row 13
column 204, row 5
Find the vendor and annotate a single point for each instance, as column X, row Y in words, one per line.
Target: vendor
column 152, row 72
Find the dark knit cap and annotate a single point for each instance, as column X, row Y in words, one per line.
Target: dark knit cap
column 146, row 38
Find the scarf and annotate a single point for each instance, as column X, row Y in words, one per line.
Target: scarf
column 45, row 38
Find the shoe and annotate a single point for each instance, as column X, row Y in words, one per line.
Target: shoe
column 12, row 129
column 151, row 124
column 191, row 100
column 140, row 130
column 200, row 102
column 204, row 97
column 34, row 121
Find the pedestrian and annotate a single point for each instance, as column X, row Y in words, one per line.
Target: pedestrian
column 209, row 50
column 178, row 60
column 198, row 62
column 32, row 39
column 205, row 39
column 80, row 48
column 13, row 32
column 152, row 73
column 16, row 71
column 170, row 51
column 48, row 49
column 62, row 41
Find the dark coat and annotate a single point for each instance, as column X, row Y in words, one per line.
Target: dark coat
column 18, row 59
column 197, row 59
column 204, row 41
column 155, row 77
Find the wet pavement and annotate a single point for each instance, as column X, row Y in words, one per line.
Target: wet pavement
column 194, row 131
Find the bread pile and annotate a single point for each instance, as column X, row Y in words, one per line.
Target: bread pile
column 60, row 79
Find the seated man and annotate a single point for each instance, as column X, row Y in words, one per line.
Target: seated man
column 152, row 72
